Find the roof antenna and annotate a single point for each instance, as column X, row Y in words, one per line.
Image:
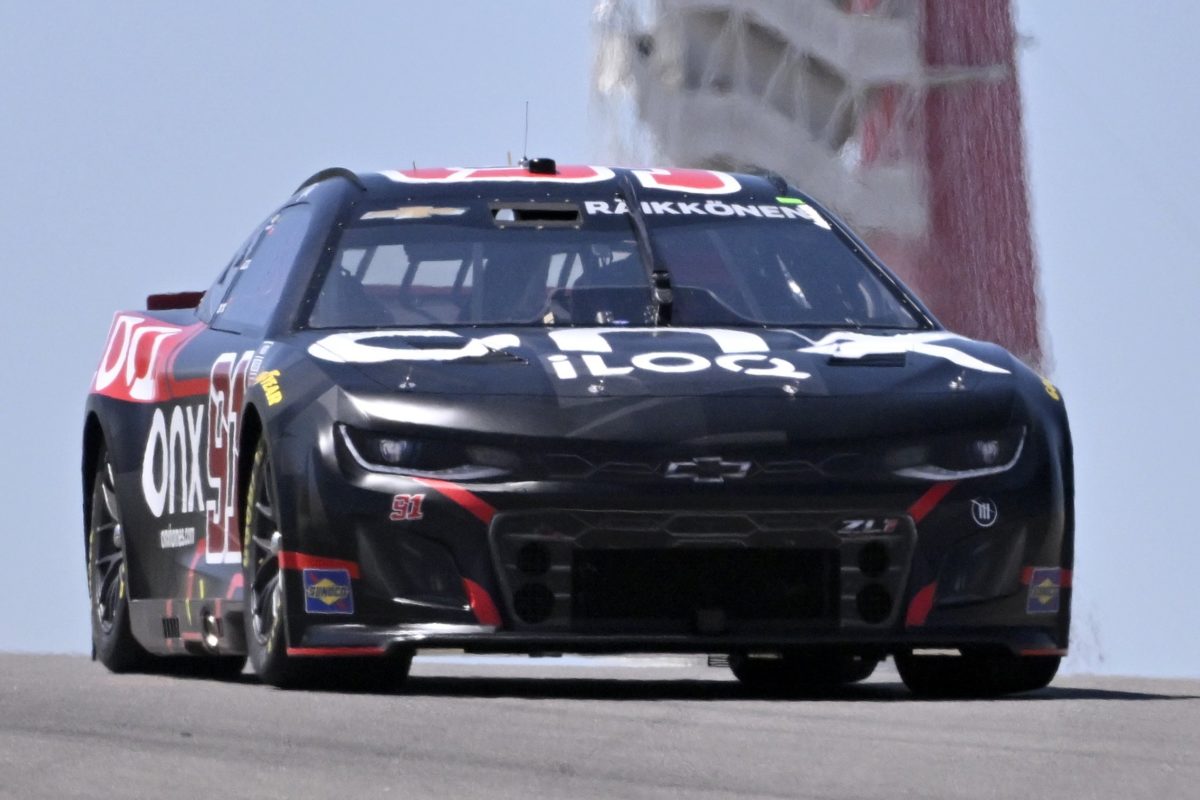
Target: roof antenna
column 525, row 145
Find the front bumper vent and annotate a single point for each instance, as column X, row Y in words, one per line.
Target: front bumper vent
column 702, row 572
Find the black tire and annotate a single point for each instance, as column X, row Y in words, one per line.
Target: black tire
column 112, row 639
column 975, row 675
column 265, row 610
column 266, row 605
column 793, row 673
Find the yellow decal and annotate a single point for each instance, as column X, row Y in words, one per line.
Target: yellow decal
column 249, row 513
column 327, row 591
column 414, row 212
column 1045, row 592
column 1051, row 390
column 269, row 381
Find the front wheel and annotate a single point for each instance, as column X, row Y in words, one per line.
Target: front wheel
column 266, row 604
column 975, row 674
column 265, row 614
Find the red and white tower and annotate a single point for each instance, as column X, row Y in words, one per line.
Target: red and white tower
column 903, row 115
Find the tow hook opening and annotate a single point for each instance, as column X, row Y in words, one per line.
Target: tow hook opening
column 211, row 629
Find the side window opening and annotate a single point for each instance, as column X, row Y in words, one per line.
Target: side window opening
column 259, row 277
column 216, row 293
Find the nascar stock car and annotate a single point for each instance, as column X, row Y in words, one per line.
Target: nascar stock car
column 545, row 409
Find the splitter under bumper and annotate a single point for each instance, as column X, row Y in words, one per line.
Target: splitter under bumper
column 359, row 640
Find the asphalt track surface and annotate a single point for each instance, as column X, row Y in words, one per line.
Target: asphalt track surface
column 561, row 729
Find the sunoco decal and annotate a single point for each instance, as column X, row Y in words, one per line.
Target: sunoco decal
column 1045, row 591
column 328, row 591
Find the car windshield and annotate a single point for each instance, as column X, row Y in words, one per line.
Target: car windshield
column 566, row 264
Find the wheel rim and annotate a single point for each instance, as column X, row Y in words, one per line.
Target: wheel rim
column 263, row 543
column 106, row 547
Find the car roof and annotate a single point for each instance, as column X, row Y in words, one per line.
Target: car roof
column 542, row 176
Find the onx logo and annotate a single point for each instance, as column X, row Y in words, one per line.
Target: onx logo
column 184, row 474
column 171, row 473
column 984, row 512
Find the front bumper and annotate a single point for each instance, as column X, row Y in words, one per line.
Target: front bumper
column 880, row 569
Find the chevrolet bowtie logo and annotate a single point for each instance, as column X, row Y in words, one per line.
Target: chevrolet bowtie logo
column 708, row 469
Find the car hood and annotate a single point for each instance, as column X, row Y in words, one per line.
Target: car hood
column 557, row 377
column 662, row 362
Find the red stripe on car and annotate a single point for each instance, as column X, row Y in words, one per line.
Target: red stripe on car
column 1064, row 577
column 1045, row 651
column 921, row 605
column 336, row 651
column 481, row 604
column 928, row 501
column 289, row 559
column 471, row 502
column 197, row 554
column 139, row 357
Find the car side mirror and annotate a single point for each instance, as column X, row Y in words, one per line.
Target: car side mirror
column 172, row 301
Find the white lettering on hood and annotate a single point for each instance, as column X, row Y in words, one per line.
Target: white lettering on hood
column 847, row 344
column 355, row 348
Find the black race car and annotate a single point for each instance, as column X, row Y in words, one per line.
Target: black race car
column 549, row 409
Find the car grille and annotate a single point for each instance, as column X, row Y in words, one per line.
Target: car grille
column 754, row 468
column 695, row 571
column 701, row 590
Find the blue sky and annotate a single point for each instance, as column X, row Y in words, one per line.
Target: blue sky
column 141, row 142
column 1111, row 114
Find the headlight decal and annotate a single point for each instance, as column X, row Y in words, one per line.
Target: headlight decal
column 418, row 457
column 958, row 458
